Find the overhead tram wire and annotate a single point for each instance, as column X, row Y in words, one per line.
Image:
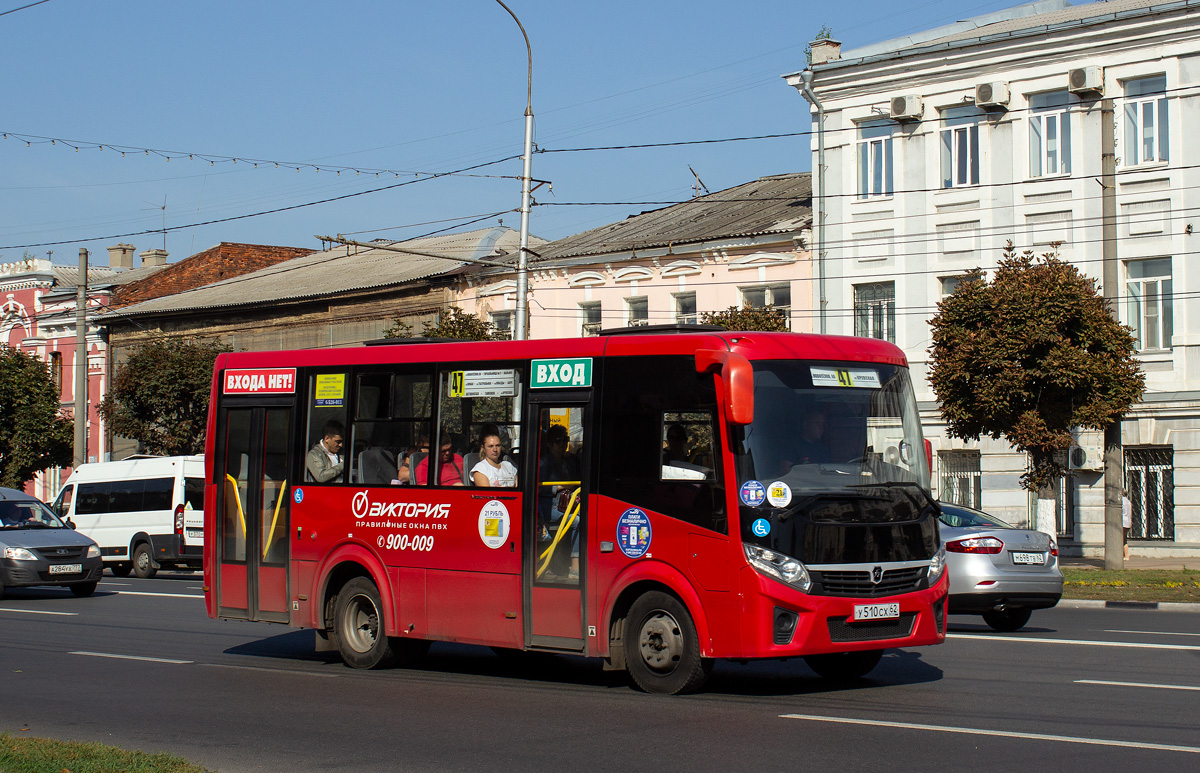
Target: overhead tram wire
column 22, row 8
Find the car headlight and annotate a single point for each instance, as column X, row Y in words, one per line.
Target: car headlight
column 937, row 565
column 19, row 554
column 93, row 551
column 783, row 568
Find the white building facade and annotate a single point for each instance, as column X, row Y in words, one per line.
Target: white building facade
column 941, row 147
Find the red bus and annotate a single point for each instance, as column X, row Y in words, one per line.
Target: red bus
column 662, row 498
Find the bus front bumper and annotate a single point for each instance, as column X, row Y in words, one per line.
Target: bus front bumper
column 780, row 621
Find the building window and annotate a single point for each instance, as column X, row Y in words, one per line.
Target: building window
column 1150, row 306
column 639, row 310
column 950, row 284
column 960, row 151
column 1049, row 135
column 1146, row 125
column 875, row 160
column 961, row 479
column 777, row 296
column 685, row 308
column 875, row 311
column 502, row 323
column 589, row 318
column 1150, row 481
column 56, row 361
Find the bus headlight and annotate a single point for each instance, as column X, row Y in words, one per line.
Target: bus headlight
column 783, row 568
column 937, row 565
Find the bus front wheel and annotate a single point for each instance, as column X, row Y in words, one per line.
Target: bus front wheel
column 662, row 650
column 843, row 666
column 358, row 620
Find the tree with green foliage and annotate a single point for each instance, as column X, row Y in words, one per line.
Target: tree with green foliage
column 35, row 433
column 747, row 318
column 159, row 396
column 1030, row 355
column 451, row 322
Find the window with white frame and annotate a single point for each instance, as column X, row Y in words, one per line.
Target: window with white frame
column 951, row 283
column 960, row 149
column 875, row 310
column 1146, row 124
column 638, row 307
column 1150, row 307
column 778, row 296
column 502, row 323
column 1049, row 134
column 875, row 159
column 589, row 318
column 685, row 308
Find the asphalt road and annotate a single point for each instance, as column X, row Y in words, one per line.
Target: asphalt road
column 139, row 665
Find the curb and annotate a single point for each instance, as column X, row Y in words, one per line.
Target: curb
column 1161, row 606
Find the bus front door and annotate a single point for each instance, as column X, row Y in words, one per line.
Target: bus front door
column 253, row 512
column 555, row 525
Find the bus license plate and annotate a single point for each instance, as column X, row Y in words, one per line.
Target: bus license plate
column 66, row 568
column 875, row 612
column 1028, row 558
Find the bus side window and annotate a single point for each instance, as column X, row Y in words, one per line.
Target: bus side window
column 327, row 413
column 392, row 423
column 466, row 418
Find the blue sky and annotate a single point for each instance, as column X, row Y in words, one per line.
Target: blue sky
column 408, row 87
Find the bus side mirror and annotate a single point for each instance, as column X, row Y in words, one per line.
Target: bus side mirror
column 737, row 376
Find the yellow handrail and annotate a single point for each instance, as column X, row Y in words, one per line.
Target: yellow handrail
column 573, row 506
column 238, row 499
column 275, row 519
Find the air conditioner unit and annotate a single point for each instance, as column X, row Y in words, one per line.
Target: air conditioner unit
column 907, row 108
column 992, row 96
column 1087, row 453
column 1086, row 80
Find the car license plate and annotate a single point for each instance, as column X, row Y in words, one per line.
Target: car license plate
column 195, row 533
column 875, row 612
column 1028, row 558
column 66, row 568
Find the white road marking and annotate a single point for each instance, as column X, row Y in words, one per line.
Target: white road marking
column 107, row 582
column 165, row 595
column 1085, row 642
column 38, row 612
column 1155, row 633
column 1139, row 684
column 269, row 670
column 129, row 657
column 998, row 733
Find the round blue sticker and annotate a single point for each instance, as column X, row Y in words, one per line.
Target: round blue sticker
column 298, row 495
column 633, row 533
column 753, row 493
column 761, row 527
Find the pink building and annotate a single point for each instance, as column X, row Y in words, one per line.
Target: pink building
column 37, row 316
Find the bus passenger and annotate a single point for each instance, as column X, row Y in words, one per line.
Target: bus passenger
column 491, row 471
column 450, row 466
column 677, row 445
column 325, row 457
column 404, row 473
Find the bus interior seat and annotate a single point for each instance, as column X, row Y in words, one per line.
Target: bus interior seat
column 413, row 460
column 376, row 466
column 469, row 462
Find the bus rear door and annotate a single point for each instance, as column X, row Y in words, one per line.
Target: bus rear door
column 253, row 505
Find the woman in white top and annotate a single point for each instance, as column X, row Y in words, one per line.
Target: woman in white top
column 491, row 471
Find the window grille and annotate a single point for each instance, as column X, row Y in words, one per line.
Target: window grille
column 1150, row 481
column 961, row 479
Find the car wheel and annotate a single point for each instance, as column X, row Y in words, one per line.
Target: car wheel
column 120, row 570
column 1008, row 620
column 83, row 589
column 143, row 562
column 1, row 590
column 359, row 623
column 843, row 666
column 662, row 650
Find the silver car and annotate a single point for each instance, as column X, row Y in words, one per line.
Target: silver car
column 997, row 571
column 37, row 548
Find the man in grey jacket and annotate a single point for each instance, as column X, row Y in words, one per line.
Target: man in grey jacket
column 325, row 457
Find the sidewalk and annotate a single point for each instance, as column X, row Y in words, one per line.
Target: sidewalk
column 1135, row 562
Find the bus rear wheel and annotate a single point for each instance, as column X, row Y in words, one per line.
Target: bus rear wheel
column 358, row 621
column 844, row 666
column 662, row 650
column 143, row 563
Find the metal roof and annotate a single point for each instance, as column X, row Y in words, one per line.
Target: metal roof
column 340, row 270
column 775, row 204
column 67, row 277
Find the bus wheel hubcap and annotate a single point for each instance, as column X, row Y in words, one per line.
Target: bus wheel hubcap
column 363, row 621
column 661, row 642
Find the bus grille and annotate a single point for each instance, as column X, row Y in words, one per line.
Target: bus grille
column 895, row 581
column 842, row 631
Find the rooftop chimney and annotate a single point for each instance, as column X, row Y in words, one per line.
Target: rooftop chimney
column 153, row 258
column 825, row 50
column 120, row 256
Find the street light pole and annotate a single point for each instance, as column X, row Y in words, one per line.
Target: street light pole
column 523, row 255
column 81, row 369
